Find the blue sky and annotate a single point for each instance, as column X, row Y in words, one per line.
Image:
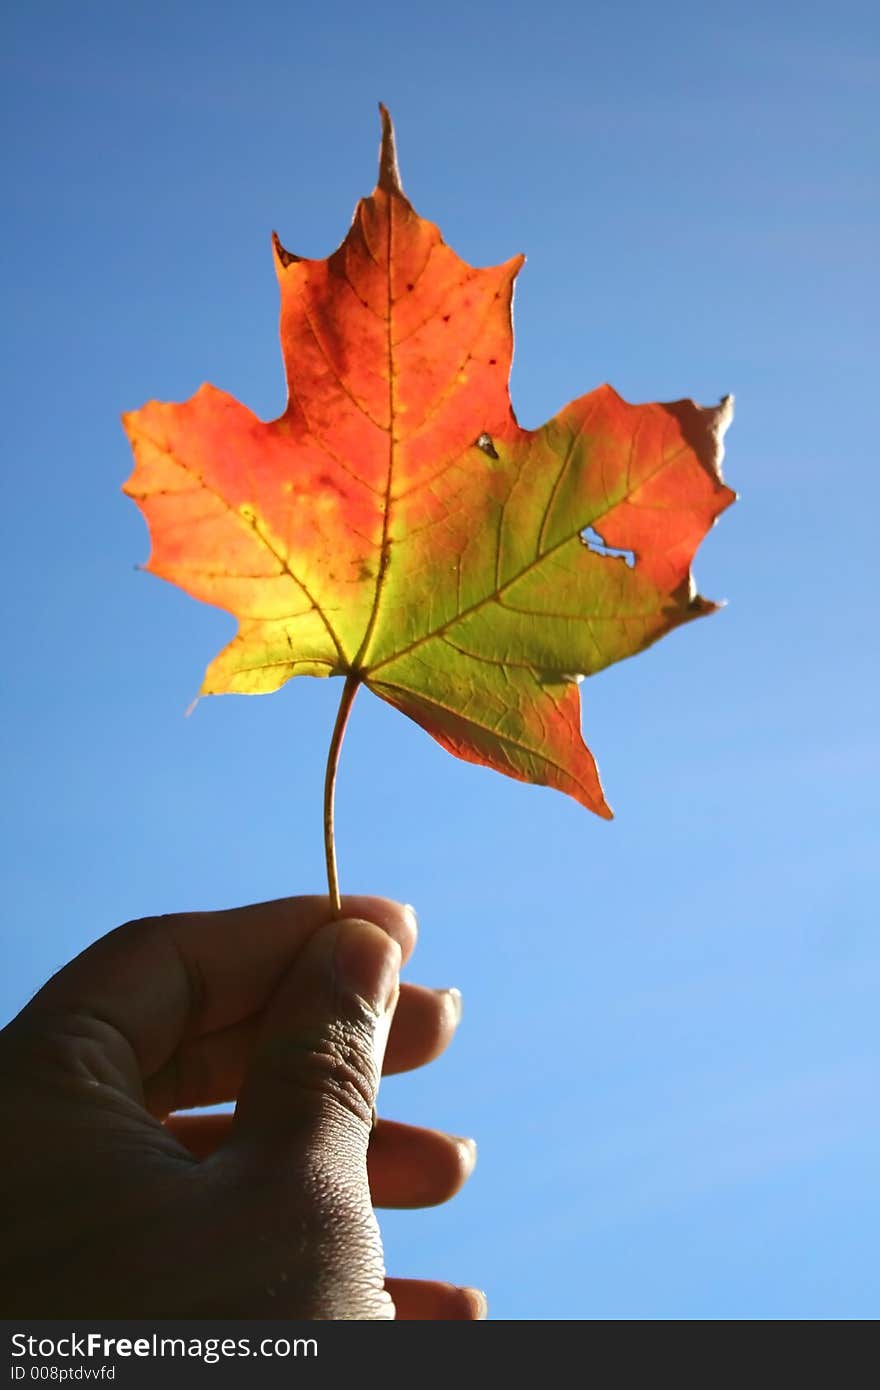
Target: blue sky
column 669, row 1055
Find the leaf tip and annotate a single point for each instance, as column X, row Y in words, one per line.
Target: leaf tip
column 389, row 173
column 700, row 607
column 282, row 255
column 129, row 419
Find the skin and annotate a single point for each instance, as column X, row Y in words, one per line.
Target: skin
column 112, row 1205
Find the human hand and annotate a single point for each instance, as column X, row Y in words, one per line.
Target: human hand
column 115, row 1207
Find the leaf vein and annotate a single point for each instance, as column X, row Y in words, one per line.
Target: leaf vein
column 282, row 560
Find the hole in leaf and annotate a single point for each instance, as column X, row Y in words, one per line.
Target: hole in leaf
column 559, row 677
column 593, row 541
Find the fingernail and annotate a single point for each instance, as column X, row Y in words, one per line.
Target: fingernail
column 469, row 1147
column 366, row 962
column 411, row 915
column 481, row 1302
column 452, row 999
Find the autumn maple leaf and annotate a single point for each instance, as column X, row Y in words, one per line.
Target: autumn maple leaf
column 396, row 526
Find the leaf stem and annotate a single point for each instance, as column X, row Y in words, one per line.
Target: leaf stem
column 349, row 690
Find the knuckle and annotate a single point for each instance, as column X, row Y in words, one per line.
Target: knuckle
column 333, row 1066
column 65, row 1047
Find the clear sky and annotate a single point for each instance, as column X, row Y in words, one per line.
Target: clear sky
column 669, row 1054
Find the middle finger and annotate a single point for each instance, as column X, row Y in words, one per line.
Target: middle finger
column 408, row 1166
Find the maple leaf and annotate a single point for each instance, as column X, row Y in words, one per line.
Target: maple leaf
column 397, row 526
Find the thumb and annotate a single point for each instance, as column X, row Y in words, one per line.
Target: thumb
column 316, row 1065
column 302, row 1125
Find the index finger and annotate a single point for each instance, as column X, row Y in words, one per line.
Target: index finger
column 162, row 980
